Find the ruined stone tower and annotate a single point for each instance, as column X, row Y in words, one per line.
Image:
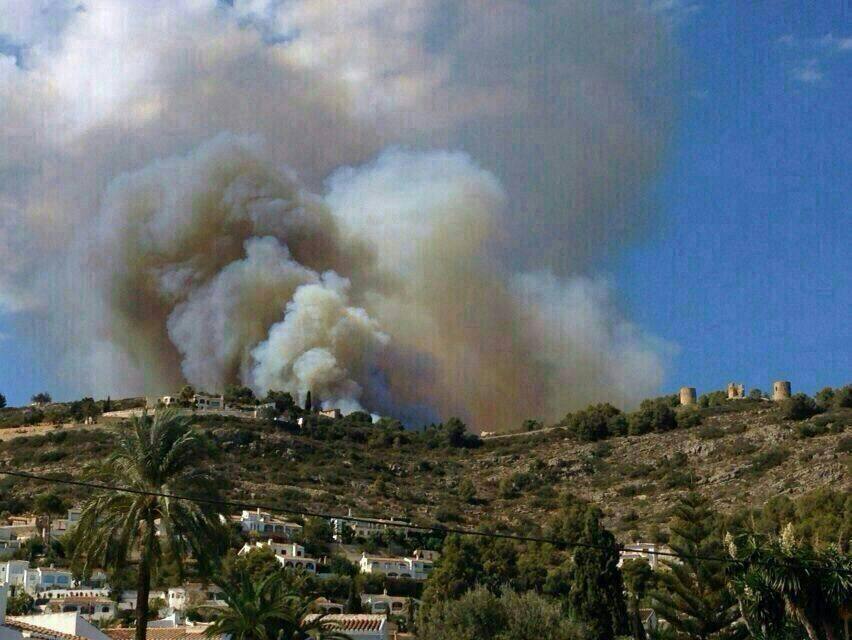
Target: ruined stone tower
column 687, row 396
column 736, row 391
column 780, row 390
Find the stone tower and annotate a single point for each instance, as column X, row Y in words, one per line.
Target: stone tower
column 687, row 396
column 780, row 390
column 736, row 391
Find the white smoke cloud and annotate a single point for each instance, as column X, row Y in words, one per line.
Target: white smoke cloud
column 173, row 207
column 322, row 345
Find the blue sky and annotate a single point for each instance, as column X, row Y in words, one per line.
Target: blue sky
column 747, row 272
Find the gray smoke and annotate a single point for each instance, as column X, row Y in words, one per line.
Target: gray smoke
column 202, row 193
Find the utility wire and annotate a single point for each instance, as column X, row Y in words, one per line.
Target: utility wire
column 441, row 530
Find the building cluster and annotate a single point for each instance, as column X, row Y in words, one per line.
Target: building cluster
column 781, row 390
column 66, row 606
column 216, row 404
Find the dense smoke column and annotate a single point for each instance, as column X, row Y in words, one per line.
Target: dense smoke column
column 225, row 202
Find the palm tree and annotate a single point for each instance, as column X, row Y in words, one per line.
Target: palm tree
column 266, row 607
column 774, row 576
column 152, row 456
column 258, row 608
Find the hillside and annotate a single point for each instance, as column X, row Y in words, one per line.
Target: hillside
column 741, row 455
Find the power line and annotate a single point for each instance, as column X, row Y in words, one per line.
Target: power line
column 441, row 530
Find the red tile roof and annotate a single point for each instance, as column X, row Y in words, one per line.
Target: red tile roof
column 161, row 633
column 349, row 621
column 43, row 633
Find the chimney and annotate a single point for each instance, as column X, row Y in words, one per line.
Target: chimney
column 4, row 598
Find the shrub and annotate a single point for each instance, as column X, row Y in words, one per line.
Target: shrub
column 824, row 398
column 679, row 479
column 592, row 423
column 768, row 459
column 688, row 419
column 799, row 407
column 843, row 397
column 617, row 425
column 845, row 445
column 445, row 513
column 713, row 399
column 808, row 430
column 602, row 450
column 710, row 432
column 651, row 416
column 737, row 427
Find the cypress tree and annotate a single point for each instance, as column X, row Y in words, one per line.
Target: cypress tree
column 308, row 403
column 353, row 600
column 596, row 597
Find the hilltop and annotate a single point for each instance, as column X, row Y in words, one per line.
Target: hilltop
column 740, row 454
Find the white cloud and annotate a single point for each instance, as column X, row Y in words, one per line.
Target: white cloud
column 815, row 56
column 836, row 44
column 809, row 71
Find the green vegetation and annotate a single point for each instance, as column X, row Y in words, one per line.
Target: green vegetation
column 152, row 456
column 779, row 592
column 509, row 615
column 525, row 484
column 41, row 398
column 799, row 407
column 693, row 594
column 266, row 607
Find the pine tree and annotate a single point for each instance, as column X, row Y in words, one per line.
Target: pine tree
column 693, row 594
column 596, row 598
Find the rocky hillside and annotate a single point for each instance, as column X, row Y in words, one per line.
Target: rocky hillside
column 741, row 455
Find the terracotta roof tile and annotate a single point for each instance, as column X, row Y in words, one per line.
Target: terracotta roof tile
column 39, row 632
column 161, row 633
column 350, row 622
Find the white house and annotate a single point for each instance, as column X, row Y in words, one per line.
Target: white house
column 194, row 595
column 327, row 606
column 382, row 603
column 334, row 414
column 75, row 592
column 392, row 567
column 127, row 600
column 55, row 626
column 8, row 548
column 89, row 607
column 363, row 528
column 61, row 526
column 20, row 529
column 206, row 402
column 42, row 579
column 264, row 524
column 356, row 626
column 289, row 556
column 12, row 572
column 644, row 550
column 261, row 410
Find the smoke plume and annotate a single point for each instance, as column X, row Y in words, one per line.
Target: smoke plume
column 399, row 206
